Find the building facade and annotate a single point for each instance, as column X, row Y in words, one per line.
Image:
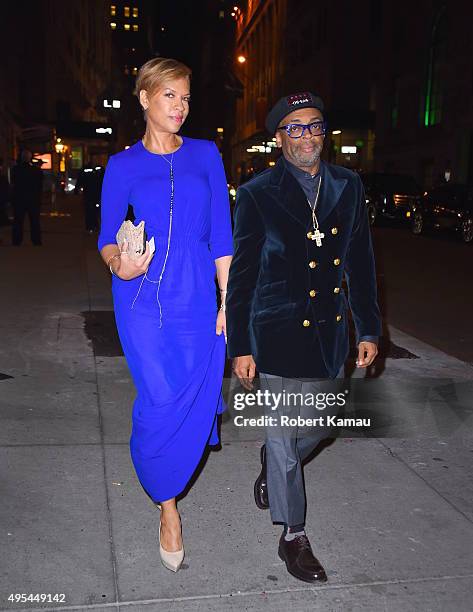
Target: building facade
column 58, row 66
column 396, row 84
column 424, row 119
column 260, row 66
column 133, row 25
column 70, row 77
column 292, row 46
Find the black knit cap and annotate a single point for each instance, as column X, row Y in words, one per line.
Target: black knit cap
column 286, row 105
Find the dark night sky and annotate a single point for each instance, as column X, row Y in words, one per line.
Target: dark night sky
column 191, row 36
column 184, row 24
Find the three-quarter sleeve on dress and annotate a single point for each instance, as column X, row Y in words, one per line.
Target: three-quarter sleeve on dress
column 221, row 243
column 115, row 196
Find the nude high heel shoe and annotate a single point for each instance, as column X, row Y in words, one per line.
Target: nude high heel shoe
column 171, row 560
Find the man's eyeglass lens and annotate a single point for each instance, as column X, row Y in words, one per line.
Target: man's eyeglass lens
column 296, row 130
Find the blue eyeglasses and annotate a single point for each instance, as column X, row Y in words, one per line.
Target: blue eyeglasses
column 297, row 130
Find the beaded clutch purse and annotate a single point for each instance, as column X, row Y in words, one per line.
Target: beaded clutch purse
column 135, row 235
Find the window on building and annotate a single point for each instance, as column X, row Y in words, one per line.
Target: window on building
column 126, row 11
column 76, row 157
column 126, row 26
column 135, row 27
column 113, row 10
column 113, row 25
column 135, row 11
column 435, row 82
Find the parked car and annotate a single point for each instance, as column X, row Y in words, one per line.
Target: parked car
column 446, row 207
column 392, row 196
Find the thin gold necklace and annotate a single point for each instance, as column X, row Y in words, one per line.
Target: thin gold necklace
column 316, row 235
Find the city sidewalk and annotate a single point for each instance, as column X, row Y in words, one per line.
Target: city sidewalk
column 390, row 518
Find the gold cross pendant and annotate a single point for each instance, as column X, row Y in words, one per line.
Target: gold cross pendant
column 317, row 236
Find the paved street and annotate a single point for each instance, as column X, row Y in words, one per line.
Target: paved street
column 391, row 518
column 425, row 287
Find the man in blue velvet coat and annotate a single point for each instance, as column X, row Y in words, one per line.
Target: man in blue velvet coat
column 300, row 230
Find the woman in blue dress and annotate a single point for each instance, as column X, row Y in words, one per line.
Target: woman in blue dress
column 165, row 302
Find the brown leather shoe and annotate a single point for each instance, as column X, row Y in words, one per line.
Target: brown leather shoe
column 299, row 559
column 261, row 484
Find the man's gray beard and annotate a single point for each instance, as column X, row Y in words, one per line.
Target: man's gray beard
column 312, row 160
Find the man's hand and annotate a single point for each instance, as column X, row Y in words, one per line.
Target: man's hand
column 367, row 352
column 245, row 368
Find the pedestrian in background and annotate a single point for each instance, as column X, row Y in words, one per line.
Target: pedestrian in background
column 27, row 185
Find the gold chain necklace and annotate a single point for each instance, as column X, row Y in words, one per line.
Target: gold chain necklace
column 316, row 235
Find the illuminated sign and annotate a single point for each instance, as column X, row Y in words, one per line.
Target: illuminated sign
column 45, row 158
column 349, row 149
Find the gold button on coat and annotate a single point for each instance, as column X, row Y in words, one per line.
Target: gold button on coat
column 312, row 293
column 334, row 230
column 339, row 317
column 312, row 264
column 306, row 322
column 336, row 290
column 336, row 261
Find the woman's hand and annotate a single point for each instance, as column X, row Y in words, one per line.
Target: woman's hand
column 127, row 268
column 221, row 325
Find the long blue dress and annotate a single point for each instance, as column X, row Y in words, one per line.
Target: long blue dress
column 167, row 331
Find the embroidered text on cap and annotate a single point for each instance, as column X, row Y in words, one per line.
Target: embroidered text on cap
column 300, row 98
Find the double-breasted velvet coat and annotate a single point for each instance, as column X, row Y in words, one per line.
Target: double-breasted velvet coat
column 286, row 304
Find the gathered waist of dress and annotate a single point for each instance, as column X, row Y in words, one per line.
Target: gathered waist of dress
column 183, row 241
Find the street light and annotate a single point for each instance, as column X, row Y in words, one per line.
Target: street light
column 61, row 149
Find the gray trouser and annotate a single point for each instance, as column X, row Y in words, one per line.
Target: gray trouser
column 287, row 445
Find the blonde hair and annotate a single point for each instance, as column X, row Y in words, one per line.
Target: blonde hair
column 157, row 70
